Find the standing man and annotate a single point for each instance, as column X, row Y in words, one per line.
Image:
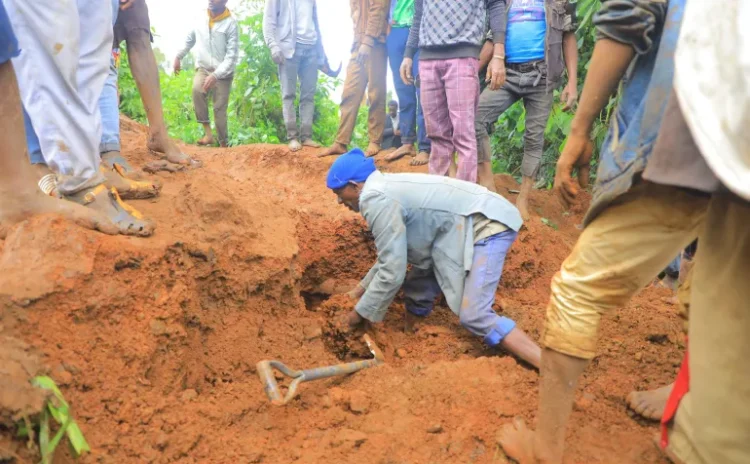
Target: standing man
column 454, row 234
column 216, row 41
column 540, row 43
column 365, row 71
column 449, row 35
column 61, row 72
column 291, row 31
column 392, row 133
column 411, row 117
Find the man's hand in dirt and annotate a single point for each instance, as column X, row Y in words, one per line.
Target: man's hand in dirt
column 277, row 56
column 356, row 293
column 125, row 4
column 209, row 82
column 177, row 66
column 495, row 73
column 405, row 71
column 363, row 54
column 569, row 96
column 576, row 154
column 350, row 321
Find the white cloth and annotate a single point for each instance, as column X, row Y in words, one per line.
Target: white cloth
column 216, row 49
column 64, row 62
column 306, row 33
column 712, row 81
column 280, row 28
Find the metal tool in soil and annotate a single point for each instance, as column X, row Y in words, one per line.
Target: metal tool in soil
column 271, row 387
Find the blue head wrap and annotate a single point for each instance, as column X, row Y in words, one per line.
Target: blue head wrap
column 352, row 166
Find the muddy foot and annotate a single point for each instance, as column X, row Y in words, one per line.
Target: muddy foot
column 128, row 220
column 650, row 404
column 523, row 207
column 18, row 206
column 163, row 165
column 294, row 145
column 127, row 188
column 402, row 151
column 333, row 150
column 205, row 141
column 372, row 150
column 310, row 143
column 517, row 441
column 111, row 159
column 421, row 159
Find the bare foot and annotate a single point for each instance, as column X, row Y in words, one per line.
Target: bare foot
column 410, row 322
column 650, row 404
column 127, row 188
column 206, row 140
column 310, row 143
column 522, row 202
column 127, row 219
column 174, row 154
column 18, row 206
column 517, row 441
column 372, row 150
column 400, row 152
column 421, row 159
column 294, row 145
column 333, row 150
column 163, row 165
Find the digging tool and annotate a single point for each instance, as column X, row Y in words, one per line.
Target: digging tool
column 271, row 387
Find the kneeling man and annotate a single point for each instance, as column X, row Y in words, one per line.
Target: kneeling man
column 455, row 235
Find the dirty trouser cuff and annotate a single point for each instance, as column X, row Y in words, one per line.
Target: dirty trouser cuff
column 107, row 147
column 502, row 328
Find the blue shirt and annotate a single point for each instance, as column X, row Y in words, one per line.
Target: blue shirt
column 526, row 29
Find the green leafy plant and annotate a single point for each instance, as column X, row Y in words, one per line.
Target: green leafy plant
column 254, row 109
column 58, row 409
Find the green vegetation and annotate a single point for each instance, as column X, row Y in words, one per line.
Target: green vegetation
column 255, row 104
column 58, row 409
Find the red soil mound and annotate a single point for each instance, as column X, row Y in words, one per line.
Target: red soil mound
column 155, row 340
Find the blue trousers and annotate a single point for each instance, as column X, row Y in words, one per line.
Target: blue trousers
column 108, row 107
column 476, row 313
column 410, row 108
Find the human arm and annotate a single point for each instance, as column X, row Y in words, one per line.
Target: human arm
column 412, row 44
column 126, row 4
column 385, row 218
column 377, row 13
column 569, row 95
column 226, row 68
column 189, row 44
column 388, row 131
column 270, row 17
column 497, row 13
column 619, row 37
column 485, row 55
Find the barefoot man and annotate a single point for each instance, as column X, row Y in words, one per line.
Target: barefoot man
column 20, row 197
column 537, row 51
column 216, row 42
column 650, row 190
column 60, row 82
column 365, row 72
column 454, row 234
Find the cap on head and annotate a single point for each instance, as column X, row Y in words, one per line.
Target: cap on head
column 352, row 166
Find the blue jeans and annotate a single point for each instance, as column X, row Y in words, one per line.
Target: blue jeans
column 673, row 269
column 410, row 107
column 476, row 314
column 108, row 107
column 8, row 42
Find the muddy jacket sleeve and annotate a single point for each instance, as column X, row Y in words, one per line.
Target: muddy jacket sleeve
column 497, row 14
column 376, row 17
column 270, row 15
column 189, row 43
column 412, row 43
column 632, row 22
column 386, row 221
column 226, row 68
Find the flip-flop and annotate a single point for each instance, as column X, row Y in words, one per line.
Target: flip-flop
column 129, row 220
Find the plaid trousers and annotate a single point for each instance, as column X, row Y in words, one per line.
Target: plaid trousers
column 450, row 96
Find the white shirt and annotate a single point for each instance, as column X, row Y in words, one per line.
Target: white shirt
column 712, row 82
column 304, row 22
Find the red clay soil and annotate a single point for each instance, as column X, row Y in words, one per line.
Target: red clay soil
column 155, row 341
